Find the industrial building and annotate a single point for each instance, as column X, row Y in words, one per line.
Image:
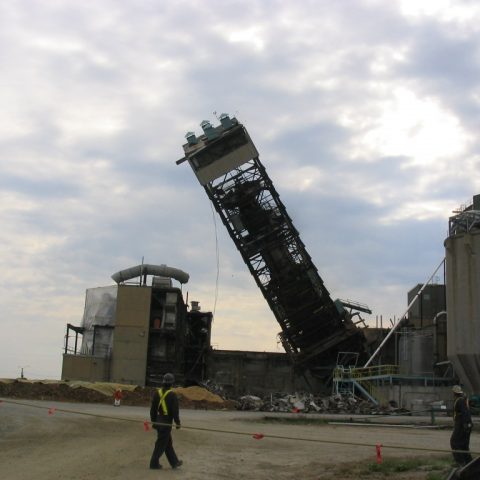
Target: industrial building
column 135, row 331
column 138, row 329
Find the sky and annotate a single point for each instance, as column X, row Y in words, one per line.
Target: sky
column 365, row 114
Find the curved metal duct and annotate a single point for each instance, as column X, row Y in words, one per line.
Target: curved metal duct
column 146, row 269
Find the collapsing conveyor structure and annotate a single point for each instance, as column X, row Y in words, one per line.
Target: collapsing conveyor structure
column 314, row 327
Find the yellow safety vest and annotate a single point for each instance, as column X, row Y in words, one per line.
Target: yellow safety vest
column 162, row 403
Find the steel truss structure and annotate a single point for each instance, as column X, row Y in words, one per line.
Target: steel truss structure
column 314, row 327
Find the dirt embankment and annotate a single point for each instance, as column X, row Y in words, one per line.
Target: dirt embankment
column 189, row 397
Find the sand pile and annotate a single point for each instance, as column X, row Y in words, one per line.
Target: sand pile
column 198, row 397
column 84, row 392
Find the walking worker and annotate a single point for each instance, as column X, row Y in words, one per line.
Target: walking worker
column 163, row 412
column 460, row 439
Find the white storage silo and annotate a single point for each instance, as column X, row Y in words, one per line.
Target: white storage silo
column 462, row 252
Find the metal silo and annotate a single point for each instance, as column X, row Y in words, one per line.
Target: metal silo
column 415, row 352
column 462, row 252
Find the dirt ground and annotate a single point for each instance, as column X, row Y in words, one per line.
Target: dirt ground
column 67, row 445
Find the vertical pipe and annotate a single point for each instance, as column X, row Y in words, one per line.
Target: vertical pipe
column 93, row 342
column 66, row 339
column 421, row 310
column 396, row 348
column 445, row 284
column 76, row 340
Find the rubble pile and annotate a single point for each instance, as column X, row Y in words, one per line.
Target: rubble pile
column 207, row 397
column 306, row 402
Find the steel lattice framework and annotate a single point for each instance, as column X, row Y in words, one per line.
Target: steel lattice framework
column 314, row 327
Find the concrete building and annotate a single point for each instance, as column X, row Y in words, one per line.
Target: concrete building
column 462, row 251
column 430, row 302
column 134, row 333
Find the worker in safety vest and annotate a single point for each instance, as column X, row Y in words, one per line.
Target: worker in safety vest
column 163, row 412
column 460, row 439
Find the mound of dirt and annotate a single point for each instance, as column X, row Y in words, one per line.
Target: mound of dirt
column 50, row 391
column 201, row 398
column 190, row 397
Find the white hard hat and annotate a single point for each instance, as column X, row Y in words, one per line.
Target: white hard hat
column 457, row 389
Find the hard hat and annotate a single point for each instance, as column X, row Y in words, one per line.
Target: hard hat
column 457, row 389
column 168, row 378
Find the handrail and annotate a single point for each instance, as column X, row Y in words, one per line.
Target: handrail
column 362, row 372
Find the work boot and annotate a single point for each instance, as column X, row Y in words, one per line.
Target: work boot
column 155, row 467
column 178, row 464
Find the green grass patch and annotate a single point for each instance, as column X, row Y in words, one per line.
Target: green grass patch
column 436, row 466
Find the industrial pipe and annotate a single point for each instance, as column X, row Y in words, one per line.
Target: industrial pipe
column 146, row 269
column 375, row 353
column 435, row 334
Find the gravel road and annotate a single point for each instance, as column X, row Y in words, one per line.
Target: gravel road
column 66, row 445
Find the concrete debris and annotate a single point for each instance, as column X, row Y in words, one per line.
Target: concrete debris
column 207, row 396
column 214, row 388
column 302, row 402
column 250, row 402
column 306, row 402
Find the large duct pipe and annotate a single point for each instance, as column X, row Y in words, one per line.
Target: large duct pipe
column 146, row 269
column 400, row 321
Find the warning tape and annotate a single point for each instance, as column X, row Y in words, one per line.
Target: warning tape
column 257, row 436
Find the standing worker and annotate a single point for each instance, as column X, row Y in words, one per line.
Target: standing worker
column 163, row 412
column 117, row 396
column 460, row 439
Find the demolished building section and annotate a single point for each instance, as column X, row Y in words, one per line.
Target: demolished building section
column 314, row 327
column 135, row 332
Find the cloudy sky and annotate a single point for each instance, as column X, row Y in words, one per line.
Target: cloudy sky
column 365, row 114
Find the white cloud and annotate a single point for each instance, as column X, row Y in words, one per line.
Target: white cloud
column 443, row 10
column 417, row 128
column 251, row 36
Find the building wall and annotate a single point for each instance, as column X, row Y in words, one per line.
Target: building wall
column 430, row 302
column 415, row 352
column 416, row 397
column 374, row 337
column 130, row 341
column 463, row 307
column 254, row 373
column 87, row 368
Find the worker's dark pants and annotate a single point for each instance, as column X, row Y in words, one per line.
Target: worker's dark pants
column 163, row 444
column 460, row 440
